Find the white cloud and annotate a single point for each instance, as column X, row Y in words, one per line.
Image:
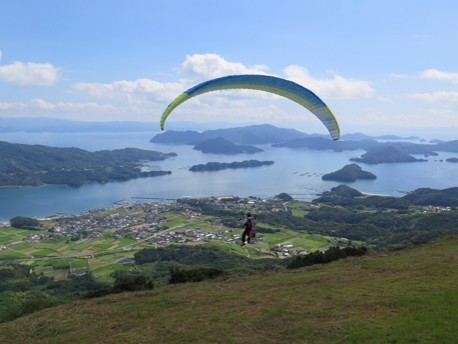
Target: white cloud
column 12, row 106
column 30, row 74
column 135, row 92
column 209, row 66
column 436, row 74
column 198, row 67
column 445, row 97
column 142, row 91
column 338, row 87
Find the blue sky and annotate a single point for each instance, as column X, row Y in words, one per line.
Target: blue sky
column 381, row 66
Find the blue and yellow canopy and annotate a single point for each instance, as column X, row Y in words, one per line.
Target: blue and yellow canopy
column 279, row 86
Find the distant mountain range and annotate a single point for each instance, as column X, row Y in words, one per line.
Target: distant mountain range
column 36, row 125
column 263, row 134
column 291, row 138
column 251, row 135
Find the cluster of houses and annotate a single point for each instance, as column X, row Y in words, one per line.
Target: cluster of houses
column 286, row 250
column 149, row 221
column 436, row 209
column 139, row 219
column 188, row 236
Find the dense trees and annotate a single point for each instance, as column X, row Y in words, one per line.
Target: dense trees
column 22, row 222
column 178, row 275
column 331, row 254
column 131, row 281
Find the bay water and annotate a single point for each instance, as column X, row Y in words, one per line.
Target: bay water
column 297, row 172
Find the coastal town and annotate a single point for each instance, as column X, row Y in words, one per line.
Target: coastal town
column 155, row 224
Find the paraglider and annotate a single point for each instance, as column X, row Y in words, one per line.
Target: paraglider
column 279, row 86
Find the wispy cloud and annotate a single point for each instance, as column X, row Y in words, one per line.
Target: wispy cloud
column 436, row 74
column 337, row 87
column 12, row 105
column 30, row 74
column 441, row 96
column 138, row 91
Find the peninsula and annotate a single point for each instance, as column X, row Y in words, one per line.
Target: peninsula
column 34, row 165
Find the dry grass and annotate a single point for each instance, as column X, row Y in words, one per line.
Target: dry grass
column 406, row 296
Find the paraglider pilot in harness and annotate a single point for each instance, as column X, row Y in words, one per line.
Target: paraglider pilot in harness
column 249, row 231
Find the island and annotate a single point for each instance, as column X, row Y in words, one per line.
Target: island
column 386, row 155
column 219, row 145
column 34, row 165
column 349, row 173
column 452, row 160
column 217, row 166
column 252, row 134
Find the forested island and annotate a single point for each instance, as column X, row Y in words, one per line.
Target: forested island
column 386, row 155
column 219, row 145
column 34, row 165
column 349, row 173
column 217, row 166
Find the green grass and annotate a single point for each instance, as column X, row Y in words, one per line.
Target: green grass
column 9, row 254
column 6, row 239
column 127, row 241
column 45, row 252
column 21, row 247
column 408, row 296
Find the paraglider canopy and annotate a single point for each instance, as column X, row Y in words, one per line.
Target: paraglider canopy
column 279, row 86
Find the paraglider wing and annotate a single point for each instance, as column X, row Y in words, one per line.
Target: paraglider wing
column 279, row 86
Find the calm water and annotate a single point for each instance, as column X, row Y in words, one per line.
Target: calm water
column 296, row 172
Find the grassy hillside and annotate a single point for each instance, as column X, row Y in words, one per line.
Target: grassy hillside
column 408, row 296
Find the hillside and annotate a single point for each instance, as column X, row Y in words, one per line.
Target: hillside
column 404, row 296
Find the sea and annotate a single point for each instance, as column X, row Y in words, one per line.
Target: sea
column 296, row 172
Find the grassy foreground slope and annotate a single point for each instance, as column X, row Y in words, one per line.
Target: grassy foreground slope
column 408, row 296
